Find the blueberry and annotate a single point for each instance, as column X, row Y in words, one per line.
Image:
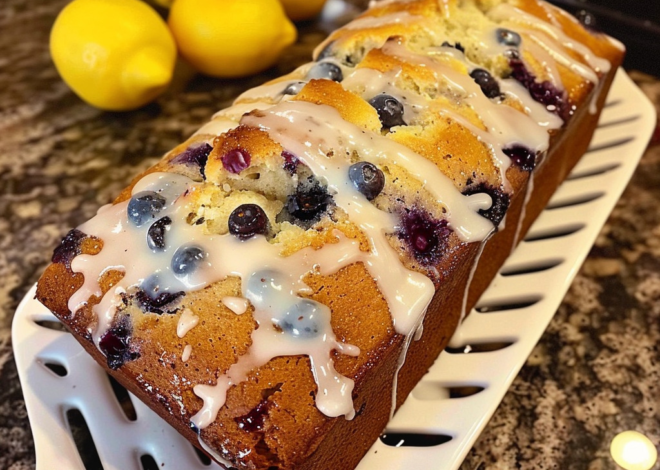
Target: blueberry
column 487, row 82
column 507, row 37
column 291, row 162
column 302, row 320
column 307, row 204
column 294, row 88
column 68, row 248
column 156, row 233
column 496, row 212
column 543, row 92
column 390, row 110
column 186, row 260
column 263, row 285
column 154, row 297
column 425, row 236
column 116, row 344
column 196, row 154
column 587, row 19
column 367, row 178
column 144, row 206
column 521, row 156
column 255, row 419
column 248, row 220
column 326, row 52
column 457, row 46
column 236, row 160
column 325, row 70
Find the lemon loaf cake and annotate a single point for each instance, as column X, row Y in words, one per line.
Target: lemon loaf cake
column 276, row 285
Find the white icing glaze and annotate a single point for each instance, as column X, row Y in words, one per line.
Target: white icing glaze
column 553, row 38
column 187, row 321
column 366, row 22
column 125, row 250
column 535, row 110
column 561, row 57
column 272, row 292
column 523, row 211
column 187, row 351
column 506, row 126
column 238, row 305
column 270, row 91
column 236, row 111
column 473, row 270
column 368, row 83
column 217, row 126
column 311, row 130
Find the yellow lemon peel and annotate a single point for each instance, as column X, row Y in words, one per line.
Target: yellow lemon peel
column 115, row 54
column 299, row 10
column 233, row 38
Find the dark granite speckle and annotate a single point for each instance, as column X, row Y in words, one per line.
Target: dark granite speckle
column 594, row 373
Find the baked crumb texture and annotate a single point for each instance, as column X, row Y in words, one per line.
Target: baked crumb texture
column 256, row 284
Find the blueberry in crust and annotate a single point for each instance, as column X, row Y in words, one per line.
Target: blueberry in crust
column 248, row 220
column 390, row 110
column 425, row 236
column 327, row 71
column 115, row 343
column 196, row 154
column 487, row 82
column 367, row 178
column 144, row 206
column 156, row 234
column 186, row 260
column 500, row 202
column 236, row 160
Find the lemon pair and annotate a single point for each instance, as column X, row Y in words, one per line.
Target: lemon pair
column 119, row 54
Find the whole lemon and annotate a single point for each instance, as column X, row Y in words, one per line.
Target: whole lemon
column 299, row 10
column 230, row 38
column 115, row 54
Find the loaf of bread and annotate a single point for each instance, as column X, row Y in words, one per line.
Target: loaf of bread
column 276, row 285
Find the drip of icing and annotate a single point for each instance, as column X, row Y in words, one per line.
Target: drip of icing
column 187, row 351
column 535, row 110
column 187, row 322
column 506, row 12
column 270, row 91
column 369, row 82
column 546, row 60
column 238, row 305
column 560, row 56
column 364, row 22
column 236, row 111
column 213, row 453
column 473, row 270
column 418, row 331
column 310, row 130
column 523, row 211
column 125, row 250
column 278, row 309
column 217, row 126
column 505, row 125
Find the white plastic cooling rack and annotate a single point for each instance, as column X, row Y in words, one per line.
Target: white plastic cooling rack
column 443, row 417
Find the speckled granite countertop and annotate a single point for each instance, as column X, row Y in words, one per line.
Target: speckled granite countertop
column 595, row 373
